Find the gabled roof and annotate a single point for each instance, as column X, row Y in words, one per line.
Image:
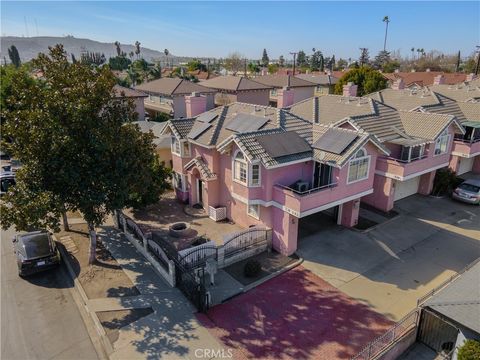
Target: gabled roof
column 460, row 301
column 458, row 92
column 425, row 78
column 161, row 139
column 426, row 126
column 319, row 79
column 234, row 83
column 280, row 81
column 202, row 167
column 172, row 86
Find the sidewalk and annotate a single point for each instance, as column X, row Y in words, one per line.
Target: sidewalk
column 171, row 331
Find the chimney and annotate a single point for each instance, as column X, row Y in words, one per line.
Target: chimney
column 398, row 84
column 471, row 77
column 195, row 104
column 350, row 89
column 284, row 97
column 439, row 80
column 264, row 72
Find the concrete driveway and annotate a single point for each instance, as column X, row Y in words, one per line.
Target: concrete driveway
column 391, row 266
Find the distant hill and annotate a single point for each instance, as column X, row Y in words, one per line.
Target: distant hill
column 29, row 47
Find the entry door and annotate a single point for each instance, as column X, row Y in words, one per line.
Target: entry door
column 406, row 188
column 322, row 175
column 200, row 192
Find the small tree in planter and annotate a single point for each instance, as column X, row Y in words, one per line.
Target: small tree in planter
column 444, row 183
column 470, row 350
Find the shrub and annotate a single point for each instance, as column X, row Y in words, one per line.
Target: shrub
column 252, row 268
column 199, row 241
column 470, row 350
column 445, row 181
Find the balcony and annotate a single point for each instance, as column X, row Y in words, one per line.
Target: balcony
column 466, row 147
column 400, row 169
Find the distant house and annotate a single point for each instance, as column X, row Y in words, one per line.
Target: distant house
column 287, row 89
column 231, row 89
column 161, row 141
column 425, row 78
column 325, row 83
column 137, row 96
column 169, row 95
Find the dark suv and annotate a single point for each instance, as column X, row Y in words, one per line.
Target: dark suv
column 36, row 251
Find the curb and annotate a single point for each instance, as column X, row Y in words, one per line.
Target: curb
column 101, row 343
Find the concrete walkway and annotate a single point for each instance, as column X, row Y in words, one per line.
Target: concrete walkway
column 171, row 331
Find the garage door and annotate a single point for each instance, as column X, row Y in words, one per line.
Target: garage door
column 465, row 165
column 406, row 188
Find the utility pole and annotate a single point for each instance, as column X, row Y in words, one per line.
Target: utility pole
column 385, row 20
column 294, row 61
column 245, row 67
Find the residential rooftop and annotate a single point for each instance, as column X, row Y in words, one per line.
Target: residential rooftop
column 172, row 87
column 234, row 83
column 281, row 81
column 319, row 79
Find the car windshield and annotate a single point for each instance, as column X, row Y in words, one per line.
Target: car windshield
column 36, row 245
column 469, row 187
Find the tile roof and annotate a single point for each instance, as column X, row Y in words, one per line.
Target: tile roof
column 424, row 78
column 280, row 81
column 319, row 79
column 121, row 91
column 161, row 140
column 424, row 125
column 234, row 83
column 202, row 167
column 460, row 301
column 459, row 92
column 172, row 86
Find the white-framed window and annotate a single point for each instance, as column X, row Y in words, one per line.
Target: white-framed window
column 176, row 146
column 240, row 168
column 273, row 92
column 441, row 143
column 179, row 181
column 255, row 175
column 358, row 166
column 254, row 211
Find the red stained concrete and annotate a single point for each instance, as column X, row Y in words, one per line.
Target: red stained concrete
column 296, row 315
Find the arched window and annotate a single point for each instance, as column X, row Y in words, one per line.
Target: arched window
column 358, row 166
column 240, row 167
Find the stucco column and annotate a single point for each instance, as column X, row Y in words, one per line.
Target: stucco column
column 350, row 212
column 383, row 194
column 426, row 183
column 454, row 163
column 476, row 165
column 285, row 232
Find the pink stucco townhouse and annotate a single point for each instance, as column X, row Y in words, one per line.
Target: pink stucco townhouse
column 461, row 100
column 418, row 143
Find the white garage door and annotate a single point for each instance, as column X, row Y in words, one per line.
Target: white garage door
column 465, row 165
column 406, row 188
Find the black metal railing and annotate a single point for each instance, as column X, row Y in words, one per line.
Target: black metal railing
column 246, row 240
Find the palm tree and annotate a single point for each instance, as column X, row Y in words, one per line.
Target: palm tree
column 119, row 50
column 137, row 49
column 413, row 52
column 166, row 52
column 131, row 53
column 386, row 20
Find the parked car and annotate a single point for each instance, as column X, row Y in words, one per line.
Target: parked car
column 7, row 179
column 35, row 251
column 13, row 166
column 468, row 191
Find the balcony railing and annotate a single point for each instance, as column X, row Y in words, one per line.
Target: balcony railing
column 405, row 161
column 466, row 141
column 307, row 192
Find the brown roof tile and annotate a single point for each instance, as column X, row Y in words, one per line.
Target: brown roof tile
column 172, row 86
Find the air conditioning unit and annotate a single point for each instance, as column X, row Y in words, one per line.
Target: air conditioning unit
column 301, row 186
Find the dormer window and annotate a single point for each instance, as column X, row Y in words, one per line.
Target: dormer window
column 358, row 166
column 180, row 148
column 441, row 144
column 176, row 146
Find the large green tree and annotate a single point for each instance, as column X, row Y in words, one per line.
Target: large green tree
column 367, row 79
column 78, row 148
column 14, row 56
column 265, row 58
